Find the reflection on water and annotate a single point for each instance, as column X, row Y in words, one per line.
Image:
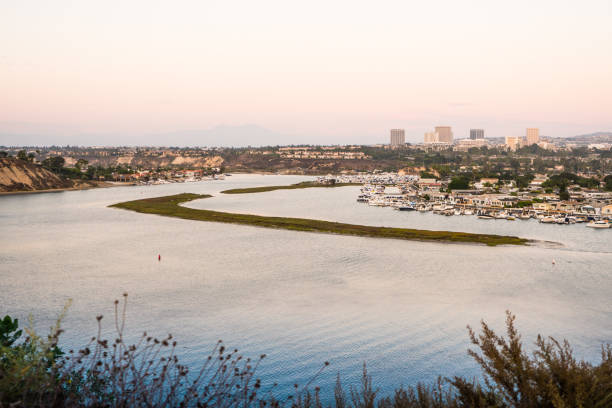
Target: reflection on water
column 301, row 298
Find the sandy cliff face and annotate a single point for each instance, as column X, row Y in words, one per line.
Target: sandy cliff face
column 154, row 162
column 19, row 175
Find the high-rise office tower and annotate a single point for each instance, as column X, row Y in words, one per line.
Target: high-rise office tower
column 398, row 137
column 445, row 134
column 533, row 136
column 476, row 134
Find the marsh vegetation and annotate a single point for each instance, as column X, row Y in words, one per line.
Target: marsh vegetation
column 170, row 206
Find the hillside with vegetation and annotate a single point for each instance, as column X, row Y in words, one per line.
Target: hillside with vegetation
column 37, row 371
column 22, row 175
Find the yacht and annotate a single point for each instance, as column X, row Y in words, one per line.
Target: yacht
column 484, row 216
column 363, row 198
column 599, row 224
column 404, row 207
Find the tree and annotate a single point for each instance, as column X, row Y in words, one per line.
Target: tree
column 515, row 164
column 55, row 163
column 523, row 181
column 3, row 153
column 427, row 175
column 459, row 183
column 608, row 183
column 563, row 194
column 22, row 155
column 81, row 163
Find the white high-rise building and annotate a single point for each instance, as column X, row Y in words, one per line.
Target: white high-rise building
column 533, row 136
column 515, row 142
column 431, row 137
column 398, row 137
column 445, row 134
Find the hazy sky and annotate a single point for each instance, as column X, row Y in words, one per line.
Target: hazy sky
column 107, row 72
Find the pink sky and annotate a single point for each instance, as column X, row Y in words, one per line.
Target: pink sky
column 343, row 71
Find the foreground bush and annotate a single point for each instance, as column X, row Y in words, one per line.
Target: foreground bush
column 34, row 372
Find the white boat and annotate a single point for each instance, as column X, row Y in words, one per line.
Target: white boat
column 524, row 216
column 599, row 224
column 468, row 212
column 501, row 216
column 547, row 220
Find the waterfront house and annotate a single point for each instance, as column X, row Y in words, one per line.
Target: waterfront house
column 542, row 206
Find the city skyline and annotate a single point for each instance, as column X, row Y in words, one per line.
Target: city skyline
column 158, row 73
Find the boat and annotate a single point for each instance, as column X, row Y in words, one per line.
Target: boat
column 468, row 212
column 547, row 220
column 599, row 224
column 511, row 218
column 501, row 216
column 524, row 216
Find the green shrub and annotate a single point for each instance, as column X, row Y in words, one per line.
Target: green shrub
column 34, row 373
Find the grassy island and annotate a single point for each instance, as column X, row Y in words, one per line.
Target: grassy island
column 304, row 184
column 169, row 206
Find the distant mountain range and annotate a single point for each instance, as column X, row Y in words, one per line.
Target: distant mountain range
column 229, row 135
column 223, row 135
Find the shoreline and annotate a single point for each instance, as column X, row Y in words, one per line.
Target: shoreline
column 169, row 206
column 303, row 184
column 99, row 184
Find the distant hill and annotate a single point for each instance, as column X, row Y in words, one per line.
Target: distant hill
column 597, row 137
column 20, row 175
column 223, row 135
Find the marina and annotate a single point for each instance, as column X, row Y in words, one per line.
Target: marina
column 410, row 196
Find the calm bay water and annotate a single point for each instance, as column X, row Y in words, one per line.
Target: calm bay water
column 301, row 298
